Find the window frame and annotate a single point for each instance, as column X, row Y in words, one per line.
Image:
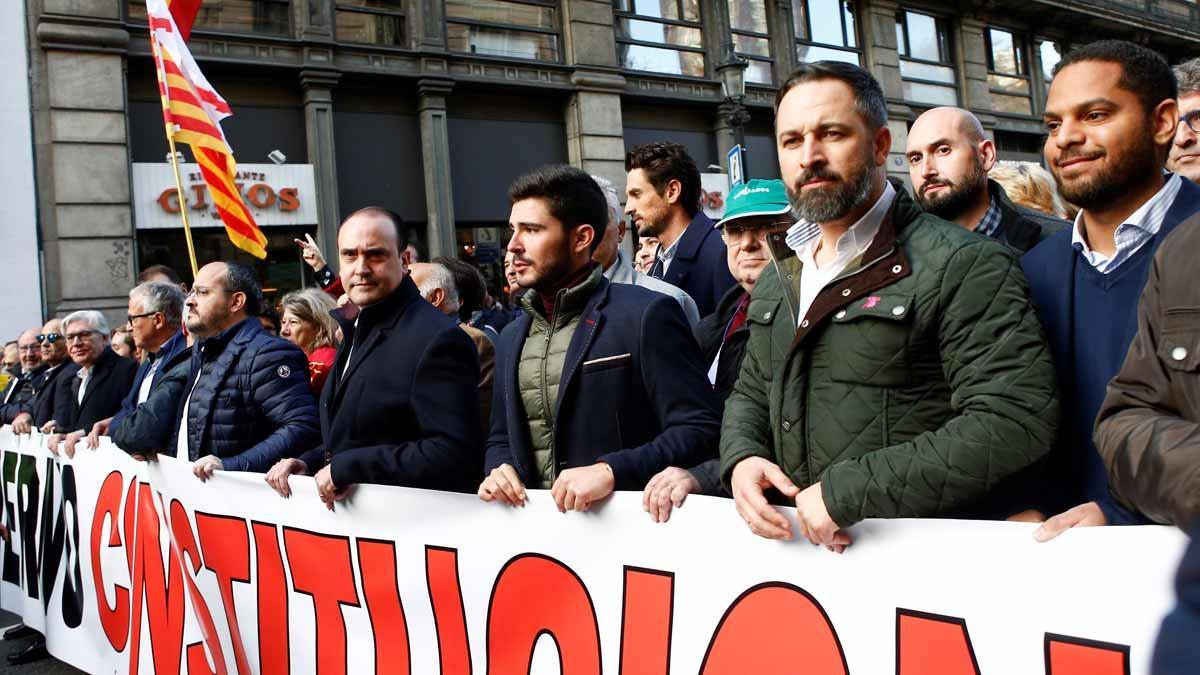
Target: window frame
column 289, row 32
column 769, row 60
column 516, row 28
column 797, row 41
column 942, row 26
column 681, row 23
column 1023, row 53
column 401, row 13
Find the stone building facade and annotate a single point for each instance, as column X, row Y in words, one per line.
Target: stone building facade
column 431, row 107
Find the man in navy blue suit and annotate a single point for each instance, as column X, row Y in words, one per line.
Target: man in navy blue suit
column 598, row 386
column 663, row 197
column 1110, row 119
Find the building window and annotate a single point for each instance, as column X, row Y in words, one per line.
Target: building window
column 520, row 29
column 926, row 68
column 660, row 36
column 1049, row 54
column 261, row 17
column 1008, row 72
column 825, row 31
column 752, row 38
column 375, row 22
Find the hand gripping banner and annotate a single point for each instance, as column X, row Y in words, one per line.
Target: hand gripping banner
column 140, row 567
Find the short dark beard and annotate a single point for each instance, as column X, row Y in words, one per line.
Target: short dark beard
column 1101, row 188
column 823, row 205
column 555, row 271
column 960, row 196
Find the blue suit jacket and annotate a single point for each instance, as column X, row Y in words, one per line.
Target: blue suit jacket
column 633, row 392
column 169, row 354
column 1178, row 651
column 700, row 266
column 1050, row 268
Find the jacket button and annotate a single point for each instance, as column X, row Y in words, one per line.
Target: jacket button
column 897, row 269
column 840, row 315
column 846, row 293
column 766, row 316
column 804, row 323
column 898, row 310
column 1179, row 353
column 787, row 426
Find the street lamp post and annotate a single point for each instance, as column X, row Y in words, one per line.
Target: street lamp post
column 732, row 73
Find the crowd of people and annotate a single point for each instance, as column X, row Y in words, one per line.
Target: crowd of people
column 1004, row 342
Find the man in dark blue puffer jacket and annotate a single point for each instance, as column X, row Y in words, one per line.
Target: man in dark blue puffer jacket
column 247, row 402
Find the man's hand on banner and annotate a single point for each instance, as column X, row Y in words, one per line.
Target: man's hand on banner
column 329, row 492
column 667, row 489
column 503, row 484
column 23, row 423
column 277, row 477
column 815, row 523
column 69, row 441
column 205, row 466
column 311, row 252
column 52, row 442
column 98, row 429
column 49, row 427
column 1084, row 515
column 750, row 478
column 577, row 489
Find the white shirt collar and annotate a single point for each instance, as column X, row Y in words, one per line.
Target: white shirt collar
column 1147, row 220
column 856, row 239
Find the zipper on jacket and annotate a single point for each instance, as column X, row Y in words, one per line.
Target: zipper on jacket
column 546, row 389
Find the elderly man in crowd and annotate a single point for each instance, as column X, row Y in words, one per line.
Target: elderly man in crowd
column 102, row 379
column 20, row 389
column 247, row 403
column 1184, row 157
column 38, row 413
column 925, row 327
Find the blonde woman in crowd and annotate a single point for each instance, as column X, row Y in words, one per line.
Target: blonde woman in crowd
column 307, row 324
column 1031, row 186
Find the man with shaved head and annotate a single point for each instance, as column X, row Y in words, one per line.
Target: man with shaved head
column 948, row 160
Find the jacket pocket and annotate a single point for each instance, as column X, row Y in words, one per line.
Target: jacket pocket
column 869, row 341
column 1179, row 347
column 607, row 363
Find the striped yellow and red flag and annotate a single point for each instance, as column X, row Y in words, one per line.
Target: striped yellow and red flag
column 184, row 12
column 193, row 110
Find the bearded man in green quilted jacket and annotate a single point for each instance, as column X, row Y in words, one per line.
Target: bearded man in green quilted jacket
column 895, row 366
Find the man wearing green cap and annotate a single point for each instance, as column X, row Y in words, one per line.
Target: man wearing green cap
column 753, row 212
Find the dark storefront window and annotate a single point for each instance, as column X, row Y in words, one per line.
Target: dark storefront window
column 520, row 30
column 752, row 38
column 376, row 22
column 926, row 64
column 1008, row 72
column 261, row 17
column 660, row 36
column 825, row 31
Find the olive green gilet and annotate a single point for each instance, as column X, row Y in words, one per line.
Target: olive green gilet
column 541, row 367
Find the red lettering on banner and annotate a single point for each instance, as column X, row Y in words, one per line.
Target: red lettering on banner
column 381, row 592
column 932, row 644
column 289, row 199
column 770, row 630
column 115, row 619
column 646, row 620
column 321, row 568
column 187, row 549
column 163, row 596
column 272, row 601
column 535, row 595
column 441, row 575
column 226, row 547
column 1066, row 655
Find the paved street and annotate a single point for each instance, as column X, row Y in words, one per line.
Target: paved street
column 45, row 667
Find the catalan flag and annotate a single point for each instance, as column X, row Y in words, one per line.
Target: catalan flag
column 184, row 13
column 193, row 110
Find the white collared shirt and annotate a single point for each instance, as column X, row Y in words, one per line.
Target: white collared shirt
column 84, row 374
column 665, row 256
column 148, row 382
column 181, row 444
column 850, row 245
column 1140, row 227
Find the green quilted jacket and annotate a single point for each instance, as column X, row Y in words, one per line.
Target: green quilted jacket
column 917, row 381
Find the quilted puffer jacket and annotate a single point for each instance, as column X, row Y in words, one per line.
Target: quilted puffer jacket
column 917, row 380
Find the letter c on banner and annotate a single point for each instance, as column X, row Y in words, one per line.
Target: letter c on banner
column 115, row 619
column 771, row 629
column 533, row 595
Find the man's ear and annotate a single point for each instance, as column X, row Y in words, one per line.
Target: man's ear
column 987, row 154
column 583, row 237
column 673, row 191
column 436, row 297
column 237, row 301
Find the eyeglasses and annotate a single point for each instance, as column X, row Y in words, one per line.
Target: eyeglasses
column 48, row 337
column 735, row 233
column 202, row 292
column 131, row 317
column 1192, row 120
column 80, row 336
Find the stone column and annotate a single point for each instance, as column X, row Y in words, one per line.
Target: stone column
column 595, row 136
column 315, row 19
column 588, row 33
column 317, row 86
column 971, row 60
column 428, row 25
column 435, row 156
column 883, row 60
column 81, row 145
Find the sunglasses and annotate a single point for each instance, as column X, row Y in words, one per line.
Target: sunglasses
column 48, row 337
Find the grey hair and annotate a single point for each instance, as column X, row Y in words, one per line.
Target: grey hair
column 1187, row 76
column 160, row 296
column 95, row 319
column 440, row 277
column 611, row 198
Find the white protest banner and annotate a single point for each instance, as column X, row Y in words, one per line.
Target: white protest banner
column 129, row 566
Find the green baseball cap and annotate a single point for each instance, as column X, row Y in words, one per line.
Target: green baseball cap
column 756, row 198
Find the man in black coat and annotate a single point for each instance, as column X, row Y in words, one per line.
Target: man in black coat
column 247, row 403
column 20, row 389
column 663, row 199
column 38, row 412
column 400, row 407
column 101, row 381
column 598, row 386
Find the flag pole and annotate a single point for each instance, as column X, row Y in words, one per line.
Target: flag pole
column 170, row 129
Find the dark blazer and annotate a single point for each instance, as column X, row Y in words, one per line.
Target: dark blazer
column 406, row 410
column 252, row 404
column 1177, row 651
column 111, row 377
column 46, row 392
column 1022, row 228
column 632, row 392
column 19, row 393
column 700, row 266
column 151, row 427
column 170, row 353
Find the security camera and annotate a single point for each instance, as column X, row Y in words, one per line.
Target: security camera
column 277, row 157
